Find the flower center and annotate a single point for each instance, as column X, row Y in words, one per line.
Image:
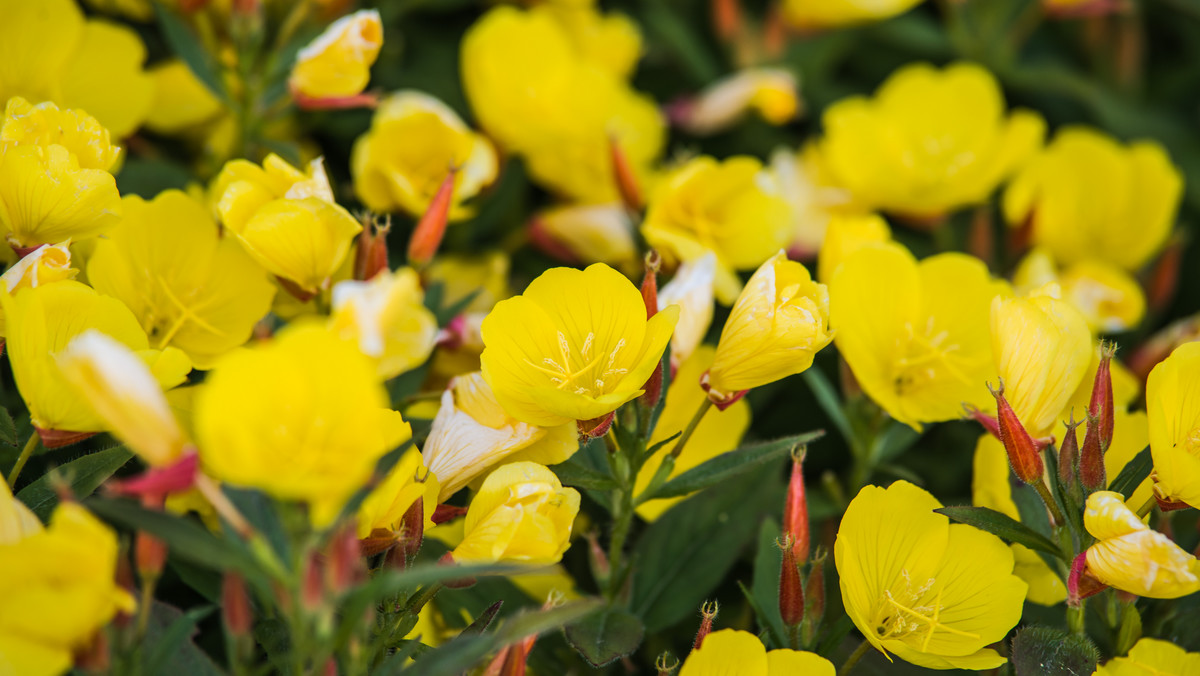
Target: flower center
column 928, row 355
column 582, row 372
column 908, row 611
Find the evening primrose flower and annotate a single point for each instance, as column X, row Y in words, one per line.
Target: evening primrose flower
column 807, row 15
column 59, row 588
column 405, row 156
column 189, row 287
column 1152, row 656
column 716, row 434
column 1083, row 192
column 46, row 124
column 181, row 100
column 929, row 142
column 1131, row 556
column 329, row 421
column 16, row 521
column 927, row 351
column 472, row 433
column 287, row 220
column 610, row 41
column 692, row 290
column 124, row 393
column 1173, row 407
column 522, row 513
column 41, row 323
column 771, row 92
column 381, row 515
column 933, row 593
column 575, row 346
column 337, row 64
column 1109, row 298
column 846, row 234
column 732, row 208
column 776, row 327
column 46, row 265
column 730, row 651
column 388, row 319
column 587, row 233
column 89, row 65
column 805, row 185
column 1042, row 348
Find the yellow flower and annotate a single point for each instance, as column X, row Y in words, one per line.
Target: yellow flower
column 388, row 319
column 58, row 588
column 732, row 208
column 1173, row 406
column 337, row 63
column 929, row 142
column 47, row 264
column 16, row 521
column 1042, row 348
column 286, row 219
column 730, row 651
column 776, row 327
column 1131, row 556
column 385, row 506
column 521, row 513
column 590, row 233
column 189, row 287
column 301, row 418
column 610, row 41
column 181, row 101
column 845, row 235
column 692, row 290
column 404, row 157
column 772, row 92
column 472, row 433
column 808, row 15
column 1086, row 189
column 540, row 95
column 41, row 323
column 931, row 592
column 716, row 434
column 44, row 125
column 55, row 55
column 575, row 346
column 1110, row 299
column 124, row 393
column 805, row 184
column 1151, row 656
column 927, row 350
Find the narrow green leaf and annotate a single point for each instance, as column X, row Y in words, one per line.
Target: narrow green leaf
column 581, row 476
column 484, row 620
column 1002, row 526
column 830, row 402
column 168, row 642
column 8, row 428
column 187, row 46
column 83, row 476
column 764, row 587
column 1046, row 650
column 1134, row 473
column 729, row 465
column 605, row 637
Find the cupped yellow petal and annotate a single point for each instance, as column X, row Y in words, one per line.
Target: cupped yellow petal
column 786, row 662
column 1151, row 657
column 16, row 521
column 1132, row 557
column 180, row 99
column 1173, row 410
column 45, row 125
column 301, row 240
column 838, row 13
column 338, row 62
column 46, row 197
column 105, row 77
column 388, row 319
column 385, row 506
column 521, row 513
column 729, row 652
column 37, row 40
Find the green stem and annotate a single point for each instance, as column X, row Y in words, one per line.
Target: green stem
column 418, row 602
column 695, row 422
column 1075, row 617
column 1059, row 520
column 855, row 656
column 622, row 520
column 26, row 453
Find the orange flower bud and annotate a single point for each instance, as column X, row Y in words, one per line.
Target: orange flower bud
column 1023, row 453
column 795, row 509
column 372, row 255
column 432, row 227
column 151, row 554
column 814, row 596
column 235, row 606
column 624, row 177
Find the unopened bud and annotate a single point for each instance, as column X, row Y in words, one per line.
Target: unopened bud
column 427, row 237
column 150, row 554
column 624, row 177
column 1080, row 584
column 312, row 589
column 795, row 509
column 444, row 513
column 791, row 587
column 727, row 18
column 1101, row 404
column 1068, row 456
column 708, row 613
column 372, row 255
column 345, row 567
column 666, row 664
column 235, row 605
column 1023, row 453
column 988, row 422
column 1091, row 458
column 814, row 596
column 412, row 530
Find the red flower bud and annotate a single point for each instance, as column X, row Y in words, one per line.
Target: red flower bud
column 150, row 554
column 412, row 530
column 312, row 586
column 1080, row 584
column 795, row 509
column 1068, row 455
column 235, row 605
column 708, row 613
column 594, row 428
column 814, row 596
column 1101, row 404
column 1023, row 452
column 444, row 513
column 1091, row 458
column 791, row 587
column 623, row 176
column 427, row 237
column 372, row 255
column 345, row 567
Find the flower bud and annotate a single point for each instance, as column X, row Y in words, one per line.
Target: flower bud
column 44, row 265
column 371, row 257
column 1023, row 453
column 150, row 553
column 1068, row 456
column 427, row 237
column 337, row 64
column 345, row 563
column 771, row 92
column 624, row 176
column 795, row 510
column 312, row 585
column 388, row 320
column 235, row 606
column 586, row 233
column 708, row 613
column 412, row 530
column 1080, row 583
column 692, row 290
column 791, row 587
column 814, row 595
column 1091, row 458
column 1101, row 404
column 596, row 427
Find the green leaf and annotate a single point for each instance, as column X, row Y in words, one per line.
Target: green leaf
column 458, row 655
column 830, row 403
column 1003, row 526
column 8, row 428
column 168, row 642
column 764, row 588
column 604, row 637
column 186, row 46
column 1134, row 473
column 83, row 476
column 578, row 475
column 685, row 553
column 1045, row 650
column 732, row 464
